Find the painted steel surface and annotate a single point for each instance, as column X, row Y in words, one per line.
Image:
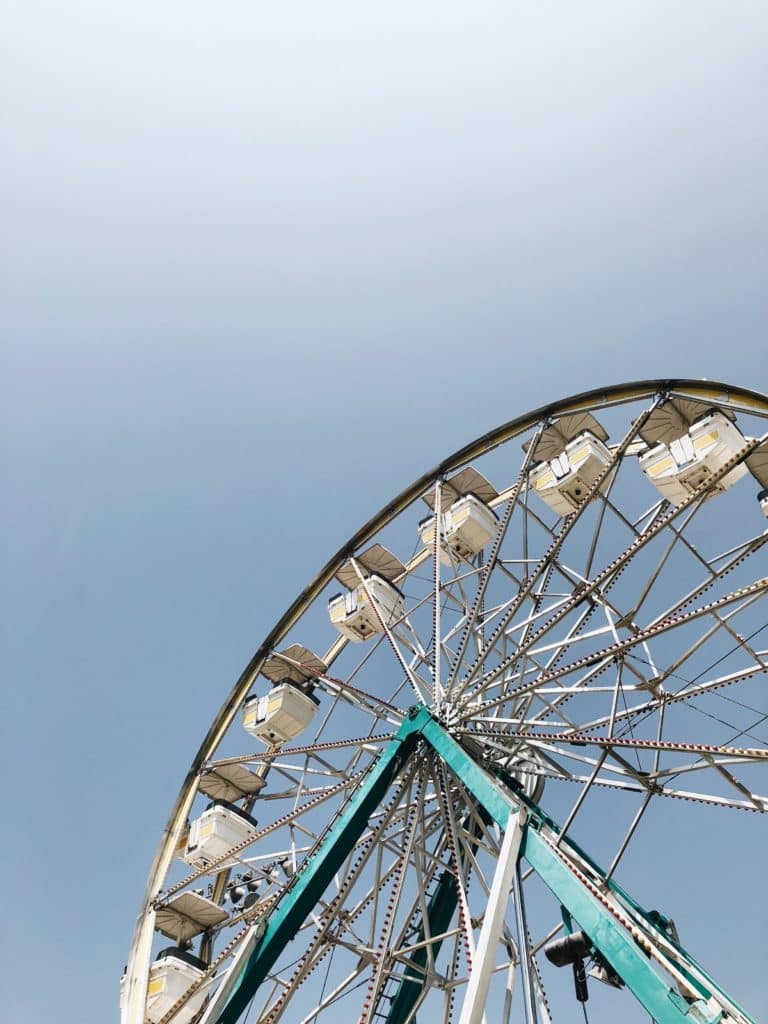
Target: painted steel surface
column 615, row 942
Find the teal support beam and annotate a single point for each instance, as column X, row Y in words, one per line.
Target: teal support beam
column 440, row 911
column 491, row 794
column 664, row 1003
column 498, row 801
column 317, row 872
column 653, row 917
column 614, row 942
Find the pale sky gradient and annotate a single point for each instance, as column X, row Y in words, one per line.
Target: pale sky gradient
column 263, row 264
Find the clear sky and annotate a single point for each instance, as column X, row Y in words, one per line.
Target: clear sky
column 263, row 264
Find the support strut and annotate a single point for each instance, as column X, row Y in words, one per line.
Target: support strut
column 619, row 930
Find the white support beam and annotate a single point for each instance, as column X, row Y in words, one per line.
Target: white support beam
column 473, row 1008
column 224, row 990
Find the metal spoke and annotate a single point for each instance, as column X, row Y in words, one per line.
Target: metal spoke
column 595, row 647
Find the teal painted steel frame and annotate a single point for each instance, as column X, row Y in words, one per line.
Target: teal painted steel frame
column 498, row 800
column 316, row 872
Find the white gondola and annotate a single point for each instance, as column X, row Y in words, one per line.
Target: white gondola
column 284, row 712
column 763, row 499
column 220, row 827
column 280, row 715
column 468, row 522
column 562, row 482
column 680, row 465
column 353, row 613
column 170, row 976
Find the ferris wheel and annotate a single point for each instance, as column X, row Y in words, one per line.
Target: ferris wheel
column 416, row 801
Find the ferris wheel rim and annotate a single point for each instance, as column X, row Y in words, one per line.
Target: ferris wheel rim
column 628, row 391
column 748, row 399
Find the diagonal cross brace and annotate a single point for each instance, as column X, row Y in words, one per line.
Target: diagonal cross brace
column 440, row 910
column 500, row 803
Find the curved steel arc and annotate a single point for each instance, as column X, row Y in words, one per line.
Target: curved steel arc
column 710, row 391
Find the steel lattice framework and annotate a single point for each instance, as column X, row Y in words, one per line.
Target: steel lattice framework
column 407, row 858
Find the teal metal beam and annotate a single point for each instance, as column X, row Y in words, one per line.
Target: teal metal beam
column 663, row 1003
column 440, row 911
column 489, row 792
column 608, row 936
column 318, row 871
column 653, row 917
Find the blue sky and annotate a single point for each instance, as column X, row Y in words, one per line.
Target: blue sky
column 264, row 264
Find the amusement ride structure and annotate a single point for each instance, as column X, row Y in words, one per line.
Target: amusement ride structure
column 555, row 630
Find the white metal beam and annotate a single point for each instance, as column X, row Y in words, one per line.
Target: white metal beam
column 473, row 1007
